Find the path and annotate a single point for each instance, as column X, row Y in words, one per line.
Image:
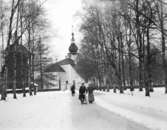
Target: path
column 59, row 111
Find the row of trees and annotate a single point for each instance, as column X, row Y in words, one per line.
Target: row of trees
column 23, row 23
column 125, row 41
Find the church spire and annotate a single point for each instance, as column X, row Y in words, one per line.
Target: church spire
column 73, row 48
column 72, row 39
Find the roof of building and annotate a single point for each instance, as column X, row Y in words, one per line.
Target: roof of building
column 66, row 62
column 17, row 48
column 54, row 68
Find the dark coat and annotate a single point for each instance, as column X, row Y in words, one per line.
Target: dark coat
column 82, row 90
column 73, row 88
column 90, row 92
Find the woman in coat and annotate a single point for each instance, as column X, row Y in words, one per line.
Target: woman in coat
column 90, row 90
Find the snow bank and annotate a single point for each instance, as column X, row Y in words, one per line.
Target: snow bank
column 149, row 111
column 36, row 112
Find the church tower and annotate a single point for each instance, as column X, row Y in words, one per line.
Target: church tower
column 73, row 49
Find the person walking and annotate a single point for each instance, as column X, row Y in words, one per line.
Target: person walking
column 82, row 93
column 90, row 90
column 73, row 89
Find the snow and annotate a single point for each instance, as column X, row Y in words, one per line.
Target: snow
column 149, row 111
column 35, row 112
column 59, row 111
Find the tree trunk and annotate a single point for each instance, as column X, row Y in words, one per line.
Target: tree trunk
column 119, row 68
column 148, row 75
column 30, row 59
column 139, row 44
column 41, row 66
column 14, row 77
column 140, row 73
column 130, row 68
column 34, row 86
column 163, row 45
column 29, row 76
column 2, row 76
column 3, row 87
column 122, row 65
column 3, row 97
column 23, row 79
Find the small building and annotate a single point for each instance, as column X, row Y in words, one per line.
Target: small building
column 64, row 70
column 16, row 65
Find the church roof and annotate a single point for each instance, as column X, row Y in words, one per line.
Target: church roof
column 66, row 62
column 54, row 68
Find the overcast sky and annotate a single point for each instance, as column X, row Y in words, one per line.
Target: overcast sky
column 62, row 15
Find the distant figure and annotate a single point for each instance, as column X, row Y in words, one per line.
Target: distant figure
column 82, row 93
column 90, row 90
column 73, row 89
column 66, row 87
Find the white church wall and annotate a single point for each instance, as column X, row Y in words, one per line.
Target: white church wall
column 66, row 77
column 63, row 79
column 72, row 75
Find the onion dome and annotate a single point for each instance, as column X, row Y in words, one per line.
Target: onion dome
column 73, row 47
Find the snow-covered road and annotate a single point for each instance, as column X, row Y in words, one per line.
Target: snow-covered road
column 59, row 111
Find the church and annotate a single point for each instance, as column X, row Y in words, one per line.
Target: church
column 64, row 71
